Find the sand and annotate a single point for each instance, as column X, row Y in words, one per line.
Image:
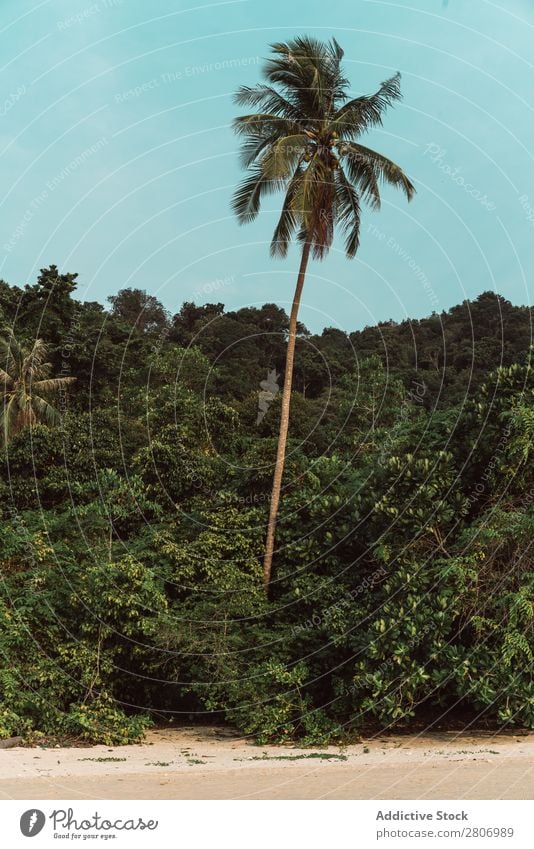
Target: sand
column 212, row 763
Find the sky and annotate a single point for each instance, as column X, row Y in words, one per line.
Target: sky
column 118, row 161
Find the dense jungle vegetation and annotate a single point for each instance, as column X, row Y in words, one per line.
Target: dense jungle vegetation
column 133, row 519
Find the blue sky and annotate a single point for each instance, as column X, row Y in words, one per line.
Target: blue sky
column 117, row 159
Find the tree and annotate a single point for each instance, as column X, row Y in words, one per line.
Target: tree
column 138, row 309
column 25, row 382
column 47, row 308
column 303, row 140
column 187, row 324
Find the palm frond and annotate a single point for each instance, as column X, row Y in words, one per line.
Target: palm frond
column 348, row 208
column 35, row 358
column 269, row 100
column 362, row 113
column 253, row 147
column 53, row 384
column 384, row 169
column 248, row 195
column 362, row 174
column 288, row 220
column 10, row 354
column 45, row 411
column 8, row 417
column 265, row 124
column 313, row 203
column 336, row 50
column 283, row 155
column 5, row 379
column 310, row 74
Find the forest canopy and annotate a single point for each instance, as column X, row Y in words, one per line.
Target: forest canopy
column 132, row 519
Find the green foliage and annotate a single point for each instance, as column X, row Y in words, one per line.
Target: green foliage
column 131, row 535
column 271, row 706
column 26, row 386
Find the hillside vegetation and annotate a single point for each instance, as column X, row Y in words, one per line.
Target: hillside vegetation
column 132, row 529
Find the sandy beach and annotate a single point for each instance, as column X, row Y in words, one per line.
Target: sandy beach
column 212, row 763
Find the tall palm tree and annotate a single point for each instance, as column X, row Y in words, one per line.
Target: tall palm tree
column 25, row 383
column 304, row 140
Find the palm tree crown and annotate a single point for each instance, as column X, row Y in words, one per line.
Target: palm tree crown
column 304, row 141
column 25, row 382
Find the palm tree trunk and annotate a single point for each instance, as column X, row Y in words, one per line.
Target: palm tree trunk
column 284, row 420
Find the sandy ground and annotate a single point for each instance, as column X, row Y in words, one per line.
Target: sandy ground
column 211, row 763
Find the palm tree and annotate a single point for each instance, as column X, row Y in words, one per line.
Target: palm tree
column 304, row 140
column 25, row 382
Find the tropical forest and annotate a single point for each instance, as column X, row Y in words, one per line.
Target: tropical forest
column 219, row 516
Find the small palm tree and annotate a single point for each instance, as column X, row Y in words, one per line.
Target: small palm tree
column 25, row 382
column 304, row 141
